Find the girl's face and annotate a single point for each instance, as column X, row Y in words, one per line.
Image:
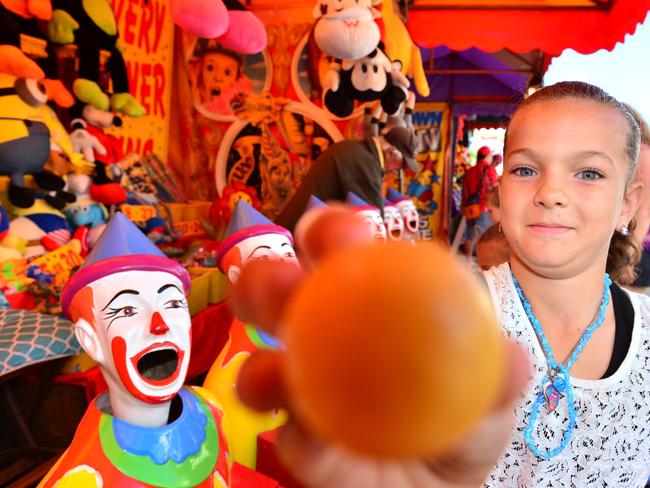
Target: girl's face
column 563, row 190
column 218, row 73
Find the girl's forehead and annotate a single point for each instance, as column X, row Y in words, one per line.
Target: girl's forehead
column 569, row 123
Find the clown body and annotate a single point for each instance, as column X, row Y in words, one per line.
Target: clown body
column 393, row 222
column 130, row 314
column 108, row 452
column 249, row 237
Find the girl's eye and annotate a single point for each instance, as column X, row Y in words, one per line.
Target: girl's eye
column 523, row 171
column 590, row 174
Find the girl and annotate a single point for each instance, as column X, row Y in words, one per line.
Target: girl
column 567, row 199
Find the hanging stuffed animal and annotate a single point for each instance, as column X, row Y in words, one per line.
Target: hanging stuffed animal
column 93, row 30
column 400, row 47
column 102, row 148
column 228, row 22
column 25, row 141
column 346, row 29
column 21, row 17
column 374, row 77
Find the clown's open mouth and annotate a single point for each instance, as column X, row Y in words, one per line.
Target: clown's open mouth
column 413, row 225
column 158, row 365
column 396, row 233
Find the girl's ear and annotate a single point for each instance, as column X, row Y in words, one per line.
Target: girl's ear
column 631, row 202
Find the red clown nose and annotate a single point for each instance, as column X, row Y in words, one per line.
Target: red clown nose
column 158, row 325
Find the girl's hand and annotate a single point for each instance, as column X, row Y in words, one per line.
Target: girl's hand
column 260, row 296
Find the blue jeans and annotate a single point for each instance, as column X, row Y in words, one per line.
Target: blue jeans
column 476, row 227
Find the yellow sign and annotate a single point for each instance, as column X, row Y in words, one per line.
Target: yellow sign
column 427, row 188
column 147, row 33
column 61, row 261
column 189, row 228
column 138, row 213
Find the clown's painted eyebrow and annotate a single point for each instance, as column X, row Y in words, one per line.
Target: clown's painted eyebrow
column 123, row 292
column 170, row 285
column 258, row 247
column 285, row 244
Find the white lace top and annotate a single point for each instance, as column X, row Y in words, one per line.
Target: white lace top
column 610, row 445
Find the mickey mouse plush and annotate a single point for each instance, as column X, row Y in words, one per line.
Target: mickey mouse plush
column 374, row 77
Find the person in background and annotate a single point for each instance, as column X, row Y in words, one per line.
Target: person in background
column 492, row 248
column 353, row 166
column 478, row 180
column 492, row 204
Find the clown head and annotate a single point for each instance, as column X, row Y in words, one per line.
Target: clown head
column 251, row 236
column 409, row 214
column 128, row 304
column 371, row 215
column 393, row 222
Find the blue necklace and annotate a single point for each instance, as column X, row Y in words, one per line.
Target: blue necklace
column 557, row 379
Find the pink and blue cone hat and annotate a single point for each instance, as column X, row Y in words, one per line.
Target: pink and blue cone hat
column 247, row 222
column 395, row 197
column 358, row 203
column 121, row 247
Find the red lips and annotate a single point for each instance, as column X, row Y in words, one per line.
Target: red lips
column 156, row 346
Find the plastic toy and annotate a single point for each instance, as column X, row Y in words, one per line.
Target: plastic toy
column 393, row 222
column 250, row 236
column 129, row 308
column 409, row 213
column 370, row 214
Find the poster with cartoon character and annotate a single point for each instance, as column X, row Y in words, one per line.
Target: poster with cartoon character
column 427, row 188
column 271, row 147
column 217, row 75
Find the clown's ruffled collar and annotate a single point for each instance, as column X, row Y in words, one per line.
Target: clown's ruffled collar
column 143, row 451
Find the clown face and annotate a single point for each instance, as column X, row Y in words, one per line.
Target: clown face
column 375, row 223
column 141, row 337
column 393, row 222
column 409, row 214
column 269, row 247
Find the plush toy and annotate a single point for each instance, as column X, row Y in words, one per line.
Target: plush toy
column 85, row 212
column 346, row 29
column 374, row 77
column 370, row 214
column 93, row 27
column 41, row 227
column 7, row 252
column 227, row 21
column 21, row 17
column 409, row 214
column 128, row 303
column 25, row 141
column 250, row 236
column 400, row 47
column 101, row 148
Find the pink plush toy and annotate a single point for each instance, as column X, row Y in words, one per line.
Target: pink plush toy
column 227, row 21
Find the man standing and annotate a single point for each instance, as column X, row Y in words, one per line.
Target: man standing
column 477, row 182
column 353, row 166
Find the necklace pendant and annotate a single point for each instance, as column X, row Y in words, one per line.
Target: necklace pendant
column 552, row 397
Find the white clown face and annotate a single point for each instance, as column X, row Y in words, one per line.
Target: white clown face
column 409, row 214
column 269, row 247
column 142, row 333
column 375, row 223
column 393, row 222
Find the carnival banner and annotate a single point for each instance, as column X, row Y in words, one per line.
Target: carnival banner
column 147, row 36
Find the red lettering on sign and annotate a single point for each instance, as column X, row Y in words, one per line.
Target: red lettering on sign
column 160, row 10
column 129, row 23
column 159, row 89
column 146, row 19
column 145, row 87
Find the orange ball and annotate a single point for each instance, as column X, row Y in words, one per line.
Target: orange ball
column 392, row 350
